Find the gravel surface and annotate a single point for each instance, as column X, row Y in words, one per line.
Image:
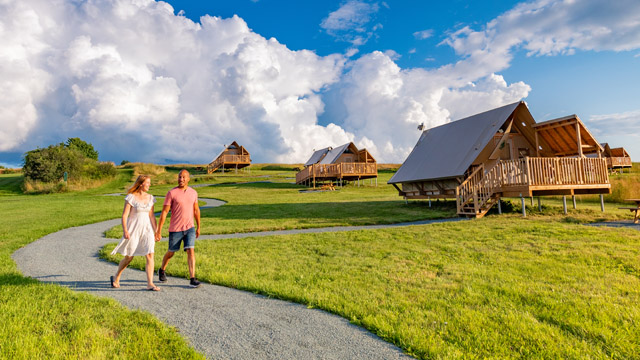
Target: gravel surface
column 220, row 322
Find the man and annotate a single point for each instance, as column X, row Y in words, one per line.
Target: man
column 183, row 203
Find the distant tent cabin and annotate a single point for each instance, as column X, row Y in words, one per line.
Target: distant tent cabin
column 343, row 163
column 617, row 158
column 233, row 156
column 503, row 153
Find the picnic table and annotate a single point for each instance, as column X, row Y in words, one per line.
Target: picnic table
column 635, row 210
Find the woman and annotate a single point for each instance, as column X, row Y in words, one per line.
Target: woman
column 138, row 229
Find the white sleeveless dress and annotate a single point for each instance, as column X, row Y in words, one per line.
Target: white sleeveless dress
column 141, row 235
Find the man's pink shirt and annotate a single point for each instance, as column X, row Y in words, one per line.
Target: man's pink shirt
column 181, row 203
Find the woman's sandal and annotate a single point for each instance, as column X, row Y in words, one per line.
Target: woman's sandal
column 113, row 284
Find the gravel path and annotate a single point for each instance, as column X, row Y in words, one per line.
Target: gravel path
column 218, row 321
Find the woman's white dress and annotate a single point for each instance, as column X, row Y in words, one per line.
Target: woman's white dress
column 141, row 235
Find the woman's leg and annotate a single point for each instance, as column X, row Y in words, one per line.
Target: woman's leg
column 121, row 266
column 149, row 270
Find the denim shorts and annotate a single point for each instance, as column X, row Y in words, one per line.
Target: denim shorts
column 188, row 236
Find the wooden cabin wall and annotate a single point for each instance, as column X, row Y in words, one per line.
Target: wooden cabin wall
column 347, row 158
column 514, row 145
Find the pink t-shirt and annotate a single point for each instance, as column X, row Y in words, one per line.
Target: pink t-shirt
column 181, row 203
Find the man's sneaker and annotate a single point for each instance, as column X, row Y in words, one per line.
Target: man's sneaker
column 162, row 276
column 194, row 283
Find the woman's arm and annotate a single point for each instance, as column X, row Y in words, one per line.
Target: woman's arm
column 152, row 216
column 125, row 215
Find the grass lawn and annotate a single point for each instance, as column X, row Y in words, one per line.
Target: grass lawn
column 279, row 205
column 47, row 321
column 499, row 287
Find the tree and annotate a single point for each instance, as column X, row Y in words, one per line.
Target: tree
column 83, row 147
column 50, row 164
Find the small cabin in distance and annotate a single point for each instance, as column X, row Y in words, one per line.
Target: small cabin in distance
column 502, row 153
column 233, row 156
column 343, row 163
column 617, row 158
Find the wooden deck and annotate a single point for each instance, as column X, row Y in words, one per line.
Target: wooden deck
column 618, row 162
column 229, row 162
column 531, row 176
column 344, row 171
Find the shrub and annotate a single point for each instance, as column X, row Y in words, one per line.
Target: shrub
column 84, row 148
column 124, row 162
column 50, row 164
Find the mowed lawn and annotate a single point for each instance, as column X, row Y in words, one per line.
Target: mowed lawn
column 499, row 287
column 275, row 203
column 43, row 321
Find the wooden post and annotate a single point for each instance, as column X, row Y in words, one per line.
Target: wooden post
column 429, row 201
column 524, row 209
column 579, row 138
column 602, row 202
column 376, row 182
column 532, row 201
column 499, row 207
column 574, row 201
column 537, row 145
column 539, row 204
column 406, row 202
column 564, row 203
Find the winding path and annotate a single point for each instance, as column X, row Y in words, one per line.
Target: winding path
column 218, row 321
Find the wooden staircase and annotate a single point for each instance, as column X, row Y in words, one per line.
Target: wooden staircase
column 477, row 193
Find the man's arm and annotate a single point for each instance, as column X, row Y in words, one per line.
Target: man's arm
column 163, row 217
column 196, row 213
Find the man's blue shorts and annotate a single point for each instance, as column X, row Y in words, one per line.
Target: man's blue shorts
column 188, row 236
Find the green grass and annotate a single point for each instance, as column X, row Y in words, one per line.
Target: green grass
column 47, row 321
column 499, row 287
column 280, row 205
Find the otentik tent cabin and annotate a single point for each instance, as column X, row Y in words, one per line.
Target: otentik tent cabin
column 344, row 162
column 617, row 158
column 233, row 156
column 502, row 152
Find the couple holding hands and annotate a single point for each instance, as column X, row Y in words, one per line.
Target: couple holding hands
column 140, row 231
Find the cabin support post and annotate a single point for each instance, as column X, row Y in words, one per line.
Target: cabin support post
column 376, row 182
column 499, row 207
column 573, row 197
column 539, row 204
column 429, row 201
column 406, row 202
column 602, row 202
column 532, row 201
column 524, row 209
column 564, row 204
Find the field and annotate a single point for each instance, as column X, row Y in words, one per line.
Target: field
column 545, row 286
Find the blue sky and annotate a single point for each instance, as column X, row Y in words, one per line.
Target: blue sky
column 146, row 82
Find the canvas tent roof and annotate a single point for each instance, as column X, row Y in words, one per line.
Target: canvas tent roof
column 334, row 154
column 317, row 155
column 448, row 150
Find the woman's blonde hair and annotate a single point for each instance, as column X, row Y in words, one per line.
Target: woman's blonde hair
column 138, row 184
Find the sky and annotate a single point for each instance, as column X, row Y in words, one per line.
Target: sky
column 173, row 82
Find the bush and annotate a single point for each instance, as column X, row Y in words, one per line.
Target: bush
column 124, row 162
column 50, row 164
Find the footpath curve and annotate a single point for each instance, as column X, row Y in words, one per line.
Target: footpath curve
column 218, row 321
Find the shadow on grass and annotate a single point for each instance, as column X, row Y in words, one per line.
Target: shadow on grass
column 363, row 212
column 11, row 184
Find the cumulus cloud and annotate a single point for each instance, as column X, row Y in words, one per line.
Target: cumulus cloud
column 385, row 104
column 144, row 84
column 141, row 83
column 351, row 22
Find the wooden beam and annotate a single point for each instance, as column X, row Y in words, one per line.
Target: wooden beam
column 579, row 139
column 502, row 140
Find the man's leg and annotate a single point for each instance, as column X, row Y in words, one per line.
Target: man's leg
column 165, row 260
column 191, row 261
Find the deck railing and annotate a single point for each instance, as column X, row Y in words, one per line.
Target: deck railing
column 340, row 170
column 618, row 162
column 533, row 171
column 233, row 159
